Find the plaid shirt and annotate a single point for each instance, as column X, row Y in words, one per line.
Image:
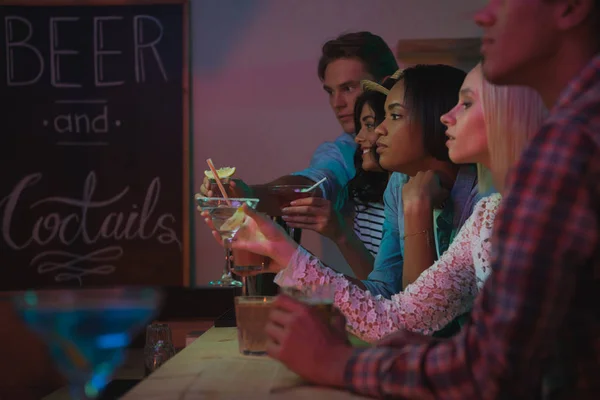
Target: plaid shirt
column 535, row 328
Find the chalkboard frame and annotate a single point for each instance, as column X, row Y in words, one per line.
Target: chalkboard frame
column 187, row 177
column 50, row 3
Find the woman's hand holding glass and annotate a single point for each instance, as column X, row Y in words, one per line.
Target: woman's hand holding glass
column 259, row 234
column 316, row 214
column 234, row 188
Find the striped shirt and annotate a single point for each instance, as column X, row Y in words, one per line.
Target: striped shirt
column 368, row 225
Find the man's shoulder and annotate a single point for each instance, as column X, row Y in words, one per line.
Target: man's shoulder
column 566, row 148
column 585, row 114
column 345, row 138
column 579, row 119
column 343, row 142
column 578, row 110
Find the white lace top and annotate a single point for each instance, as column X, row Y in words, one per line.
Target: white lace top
column 441, row 293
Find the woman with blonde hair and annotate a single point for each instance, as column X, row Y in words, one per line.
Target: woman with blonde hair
column 502, row 118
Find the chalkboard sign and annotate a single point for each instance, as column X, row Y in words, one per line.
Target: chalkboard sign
column 94, row 183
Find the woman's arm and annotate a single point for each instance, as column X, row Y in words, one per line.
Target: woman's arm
column 356, row 254
column 259, row 234
column 419, row 242
column 386, row 278
column 319, row 215
column 420, row 195
column 441, row 293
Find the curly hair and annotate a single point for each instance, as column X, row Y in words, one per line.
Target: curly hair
column 369, row 186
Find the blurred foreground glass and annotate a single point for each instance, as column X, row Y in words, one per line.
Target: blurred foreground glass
column 320, row 297
column 251, row 314
column 227, row 217
column 159, row 347
column 88, row 330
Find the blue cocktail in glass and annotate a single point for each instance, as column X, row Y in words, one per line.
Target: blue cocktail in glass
column 88, row 330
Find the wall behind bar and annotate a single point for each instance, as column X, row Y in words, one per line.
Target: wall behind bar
column 257, row 101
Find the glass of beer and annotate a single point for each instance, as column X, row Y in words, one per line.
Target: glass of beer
column 252, row 314
column 319, row 297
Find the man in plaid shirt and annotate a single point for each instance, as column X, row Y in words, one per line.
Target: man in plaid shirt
column 535, row 328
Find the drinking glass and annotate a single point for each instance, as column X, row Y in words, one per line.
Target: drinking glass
column 251, row 315
column 285, row 194
column 320, row 297
column 227, row 217
column 87, row 330
column 159, row 347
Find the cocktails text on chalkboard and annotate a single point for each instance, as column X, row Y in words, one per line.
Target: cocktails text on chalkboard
column 94, row 145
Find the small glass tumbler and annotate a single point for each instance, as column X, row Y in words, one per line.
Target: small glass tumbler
column 320, row 297
column 252, row 314
column 159, row 347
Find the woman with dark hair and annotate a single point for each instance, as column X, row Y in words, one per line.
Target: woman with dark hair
column 368, row 185
column 428, row 197
column 441, row 192
column 357, row 228
column 421, row 214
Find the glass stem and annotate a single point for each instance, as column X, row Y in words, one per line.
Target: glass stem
column 228, row 261
column 245, row 291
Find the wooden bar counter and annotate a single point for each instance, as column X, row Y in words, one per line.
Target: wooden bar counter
column 212, row 368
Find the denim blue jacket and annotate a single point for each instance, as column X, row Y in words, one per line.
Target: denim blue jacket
column 386, row 277
column 334, row 161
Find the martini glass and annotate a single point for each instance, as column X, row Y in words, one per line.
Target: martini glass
column 285, row 194
column 87, row 330
column 227, row 222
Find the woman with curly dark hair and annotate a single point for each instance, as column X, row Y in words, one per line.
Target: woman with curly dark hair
column 357, row 228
